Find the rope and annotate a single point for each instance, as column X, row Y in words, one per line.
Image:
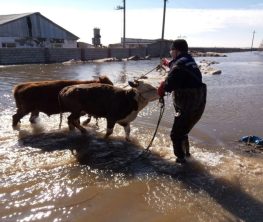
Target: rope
column 60, row 112
column 142, row 75
column 147, row 149
column 147, row 73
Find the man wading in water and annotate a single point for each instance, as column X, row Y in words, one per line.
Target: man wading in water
column 189, row 95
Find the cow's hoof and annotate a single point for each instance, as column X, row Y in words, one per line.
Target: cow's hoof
column 128, row 139
column 188, row 155
column 83, row 131
column 33, row 120
column 180, row 160
column 71, row 127
column 14, row 123
column 16, row 127
column 106, row 137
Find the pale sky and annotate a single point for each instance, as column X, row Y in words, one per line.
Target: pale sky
column 207, row 23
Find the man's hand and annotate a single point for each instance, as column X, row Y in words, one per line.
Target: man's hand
column 165, row 62
column 160, row 90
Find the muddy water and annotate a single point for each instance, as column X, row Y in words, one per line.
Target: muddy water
column 47, row 174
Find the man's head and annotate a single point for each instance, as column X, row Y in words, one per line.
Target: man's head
column 178, row 46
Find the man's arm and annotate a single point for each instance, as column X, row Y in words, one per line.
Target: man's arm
column 170, row 81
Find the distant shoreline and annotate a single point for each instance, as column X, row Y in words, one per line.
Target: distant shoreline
column 14, row 56
column 222, row 49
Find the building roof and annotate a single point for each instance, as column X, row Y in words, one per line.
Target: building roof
column 9, row 18
column 12, row 17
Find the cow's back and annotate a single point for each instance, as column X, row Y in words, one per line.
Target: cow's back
column 43, row 95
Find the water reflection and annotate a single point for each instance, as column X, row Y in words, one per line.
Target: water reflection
column 123, row 73
column 97, row 69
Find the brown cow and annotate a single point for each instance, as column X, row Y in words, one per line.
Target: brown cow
column 117, row 105
column 42, row 96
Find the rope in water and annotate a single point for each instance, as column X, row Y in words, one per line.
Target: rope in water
column 162, row 108
column 147, row 149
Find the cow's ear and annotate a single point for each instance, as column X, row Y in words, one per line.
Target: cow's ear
column 132, row 84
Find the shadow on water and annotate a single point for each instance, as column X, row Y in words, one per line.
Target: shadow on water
column 118, row 155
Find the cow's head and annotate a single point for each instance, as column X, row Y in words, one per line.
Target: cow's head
column 146, row 90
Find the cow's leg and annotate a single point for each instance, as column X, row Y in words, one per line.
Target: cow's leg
column 127, row 129
column 33, row 116
column 86, row 122
column 71, row 126
column 77, row 124
column 19, row 115
column 74, row 120
column 110, row 126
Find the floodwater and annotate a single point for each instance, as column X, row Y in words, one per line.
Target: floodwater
column 47, row 174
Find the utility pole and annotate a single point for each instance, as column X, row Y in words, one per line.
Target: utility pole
column 253, row 40
column 164, row 12
column 123, row 7
column 162, row 39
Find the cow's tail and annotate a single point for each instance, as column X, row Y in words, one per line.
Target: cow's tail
column 17, row 98
column 60, row 111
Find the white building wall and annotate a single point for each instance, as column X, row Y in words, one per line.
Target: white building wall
column 70, row 44
column 16, row 42
column 45, row 34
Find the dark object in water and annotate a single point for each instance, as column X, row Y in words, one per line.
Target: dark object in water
column 252, row 139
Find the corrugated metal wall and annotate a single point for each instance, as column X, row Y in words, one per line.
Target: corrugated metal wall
column 16, row 28
column 41, row 28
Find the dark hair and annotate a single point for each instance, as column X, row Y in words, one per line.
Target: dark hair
column 180, row 44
